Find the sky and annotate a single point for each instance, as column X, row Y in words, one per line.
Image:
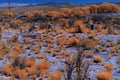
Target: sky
column 44, row 1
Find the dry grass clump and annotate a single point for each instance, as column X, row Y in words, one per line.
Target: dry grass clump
column 118, row 61
column 43, row 64
column 66, row 12
column 28, row 14
column 53, row 14
column 8, row 14
column 37, row 14
column 30, row 61
column 57, row 49
column 12, row 55
column 48, row 50
column 31, row 70
column 88, row 54
column 73, row 41
column 76, row 12
column 8, row 70
column 103, row 75
column 62, row 40
column 44, row 73
column 15, row 37
column 56, row 75
column 3, row 49
column 98, row 59
column 89, row 43
column 41, row 56
column 20, row 73
column 80, row 27
column 65, row 54
column 16, row 23
column 6, row 25
column 54, row 53
column 49, row 39
column 17, row 48
column 108, row 67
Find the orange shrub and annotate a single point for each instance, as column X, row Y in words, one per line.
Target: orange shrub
column 62, row 40
column 8, row 70
column 41, row 56
column 54, row 53
column 98, row 59
column 108, row 67
column 30, row 62
column 108, row 7
column 93, row 8
column 13, row 55
column 20, row 73
column 37, row 13
column 31, row 70
column 17, row 48
column 66, row 12
column 28, row 14
column 76, row 12
column 8, row 14
column 104, row 76
column 44, row 73
column 88, row 54
column 48, row 50
column 43, row 64
column 56, row 75
column 53, row 14
column 65, row 54
column 6, row 25
column 57, row 49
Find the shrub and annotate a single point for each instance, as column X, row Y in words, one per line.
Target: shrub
column 76, row 12
column 98, row 59
column 30, row 62
column 43, row 64
column 48, row 50
column 8, row 70
column 93, row 9
column 28, row 14
column 108, row 8
column 8, row 14
column 88, row 54
column 88, row 43
column 6, row 25
column 108, row 67
column 65, row 12
column 37, row 14
column 20, row 73
column 52, row 14
column 118, row 61
column 41, row 56
column 31, row 70
column 79, row 26
column 56, row 75
column 44, row 73
column 104, row 76
column 54, row 53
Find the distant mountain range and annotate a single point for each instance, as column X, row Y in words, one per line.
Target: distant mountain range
column 57, row 4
